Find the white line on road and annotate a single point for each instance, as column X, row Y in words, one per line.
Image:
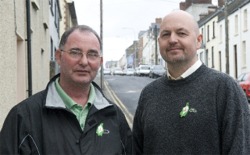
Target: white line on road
column 127, row 114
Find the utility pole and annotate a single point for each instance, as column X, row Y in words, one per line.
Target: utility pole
column 155, row 36
column 226, row 37
column 101, row 37
column 135, row 52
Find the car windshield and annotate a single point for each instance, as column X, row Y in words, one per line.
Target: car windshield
column 158, row 67
column 145, row 67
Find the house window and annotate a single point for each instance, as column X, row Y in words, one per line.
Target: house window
column 220, row 36
column 202, row 56
column 57, row 16
column 236, row 28
column 220, row 60
column 51, row 2
column 206, row 58
column 202, row 32
column 244, row 55
column 212, row 51
column 52, row 55
column 245, row 20
column 208, row 33
column 213, row 29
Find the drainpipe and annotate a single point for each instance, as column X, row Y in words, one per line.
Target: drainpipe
column 29, row 48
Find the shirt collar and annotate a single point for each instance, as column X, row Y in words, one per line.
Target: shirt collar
column 188, row 72
column 68, row 100
column 54, row 100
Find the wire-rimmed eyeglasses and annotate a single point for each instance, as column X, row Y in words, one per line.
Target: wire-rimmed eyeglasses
column 78, row 54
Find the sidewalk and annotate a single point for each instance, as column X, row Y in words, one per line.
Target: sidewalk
column 104, row 89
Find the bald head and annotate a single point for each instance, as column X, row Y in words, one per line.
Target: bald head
column 182, row 16
column 179, row 39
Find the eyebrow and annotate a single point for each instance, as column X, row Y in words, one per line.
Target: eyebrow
column 182, row 29
column 178, row 29
column 92, row 50
column 75, row 48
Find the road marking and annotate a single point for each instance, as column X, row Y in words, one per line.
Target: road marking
column 127, row 114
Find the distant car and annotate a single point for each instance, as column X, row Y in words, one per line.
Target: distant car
column 157, row 71
column 143, row 70
column 118, row 71
column 136, row 71
column 106, row 71
column 244, row 81
column 129, row 71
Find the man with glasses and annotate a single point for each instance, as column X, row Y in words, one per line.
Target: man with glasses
column 71, row 116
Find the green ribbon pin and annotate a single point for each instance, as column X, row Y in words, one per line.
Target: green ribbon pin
column 100, row 130
column 184, row 110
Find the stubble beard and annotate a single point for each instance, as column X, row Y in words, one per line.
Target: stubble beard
column 176, row 60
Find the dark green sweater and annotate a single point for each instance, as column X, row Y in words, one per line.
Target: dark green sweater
column 217, row 122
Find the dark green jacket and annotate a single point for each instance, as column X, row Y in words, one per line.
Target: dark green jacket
column 42, row 125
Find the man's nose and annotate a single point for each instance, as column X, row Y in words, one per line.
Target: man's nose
column 84, row 59
column 173, row 38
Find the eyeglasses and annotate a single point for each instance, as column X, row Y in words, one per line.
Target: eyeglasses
column 78, row 54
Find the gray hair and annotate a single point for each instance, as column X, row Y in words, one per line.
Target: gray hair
column 81, row 28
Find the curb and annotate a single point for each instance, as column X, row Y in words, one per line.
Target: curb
column 119, row 103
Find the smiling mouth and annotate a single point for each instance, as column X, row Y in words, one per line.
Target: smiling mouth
column 174, row 49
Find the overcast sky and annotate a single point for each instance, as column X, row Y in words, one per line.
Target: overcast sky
column 122, row 20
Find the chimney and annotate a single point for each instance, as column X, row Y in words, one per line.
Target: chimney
column 211, row 9
column 182, row 6
column 221, row 3
column 202, row 1
column 202, row 15
column 158, row 20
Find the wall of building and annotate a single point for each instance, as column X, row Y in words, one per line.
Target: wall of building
column 13, row 55
column 8, row 57
column 238, row 43
column 238, row 34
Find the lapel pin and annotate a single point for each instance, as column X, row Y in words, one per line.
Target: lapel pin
column 100, row 130
column 184, row 110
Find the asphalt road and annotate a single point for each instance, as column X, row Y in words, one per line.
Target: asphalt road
column 127, row 89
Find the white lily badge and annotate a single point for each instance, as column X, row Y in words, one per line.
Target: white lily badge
column 100, row 130
column 184, row 110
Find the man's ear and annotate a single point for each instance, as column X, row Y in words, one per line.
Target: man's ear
column 58, row 55
column 101, row 61
column 199, row 41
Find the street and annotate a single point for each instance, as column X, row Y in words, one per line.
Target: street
column 125, row 91
column 128, row 89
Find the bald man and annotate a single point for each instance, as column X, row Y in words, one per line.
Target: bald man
column 193, row 109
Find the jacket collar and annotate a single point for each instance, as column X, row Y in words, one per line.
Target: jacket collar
column 53, row 99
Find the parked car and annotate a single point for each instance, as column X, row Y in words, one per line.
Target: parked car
column 136, row 71
column 157, row 71
column 244, row 81
column 118, row 71
column 129, row 71
column 143, row 70
column 106, row 71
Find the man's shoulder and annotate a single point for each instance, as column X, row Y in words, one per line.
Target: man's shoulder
column 219, row 75
column 33, row 101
